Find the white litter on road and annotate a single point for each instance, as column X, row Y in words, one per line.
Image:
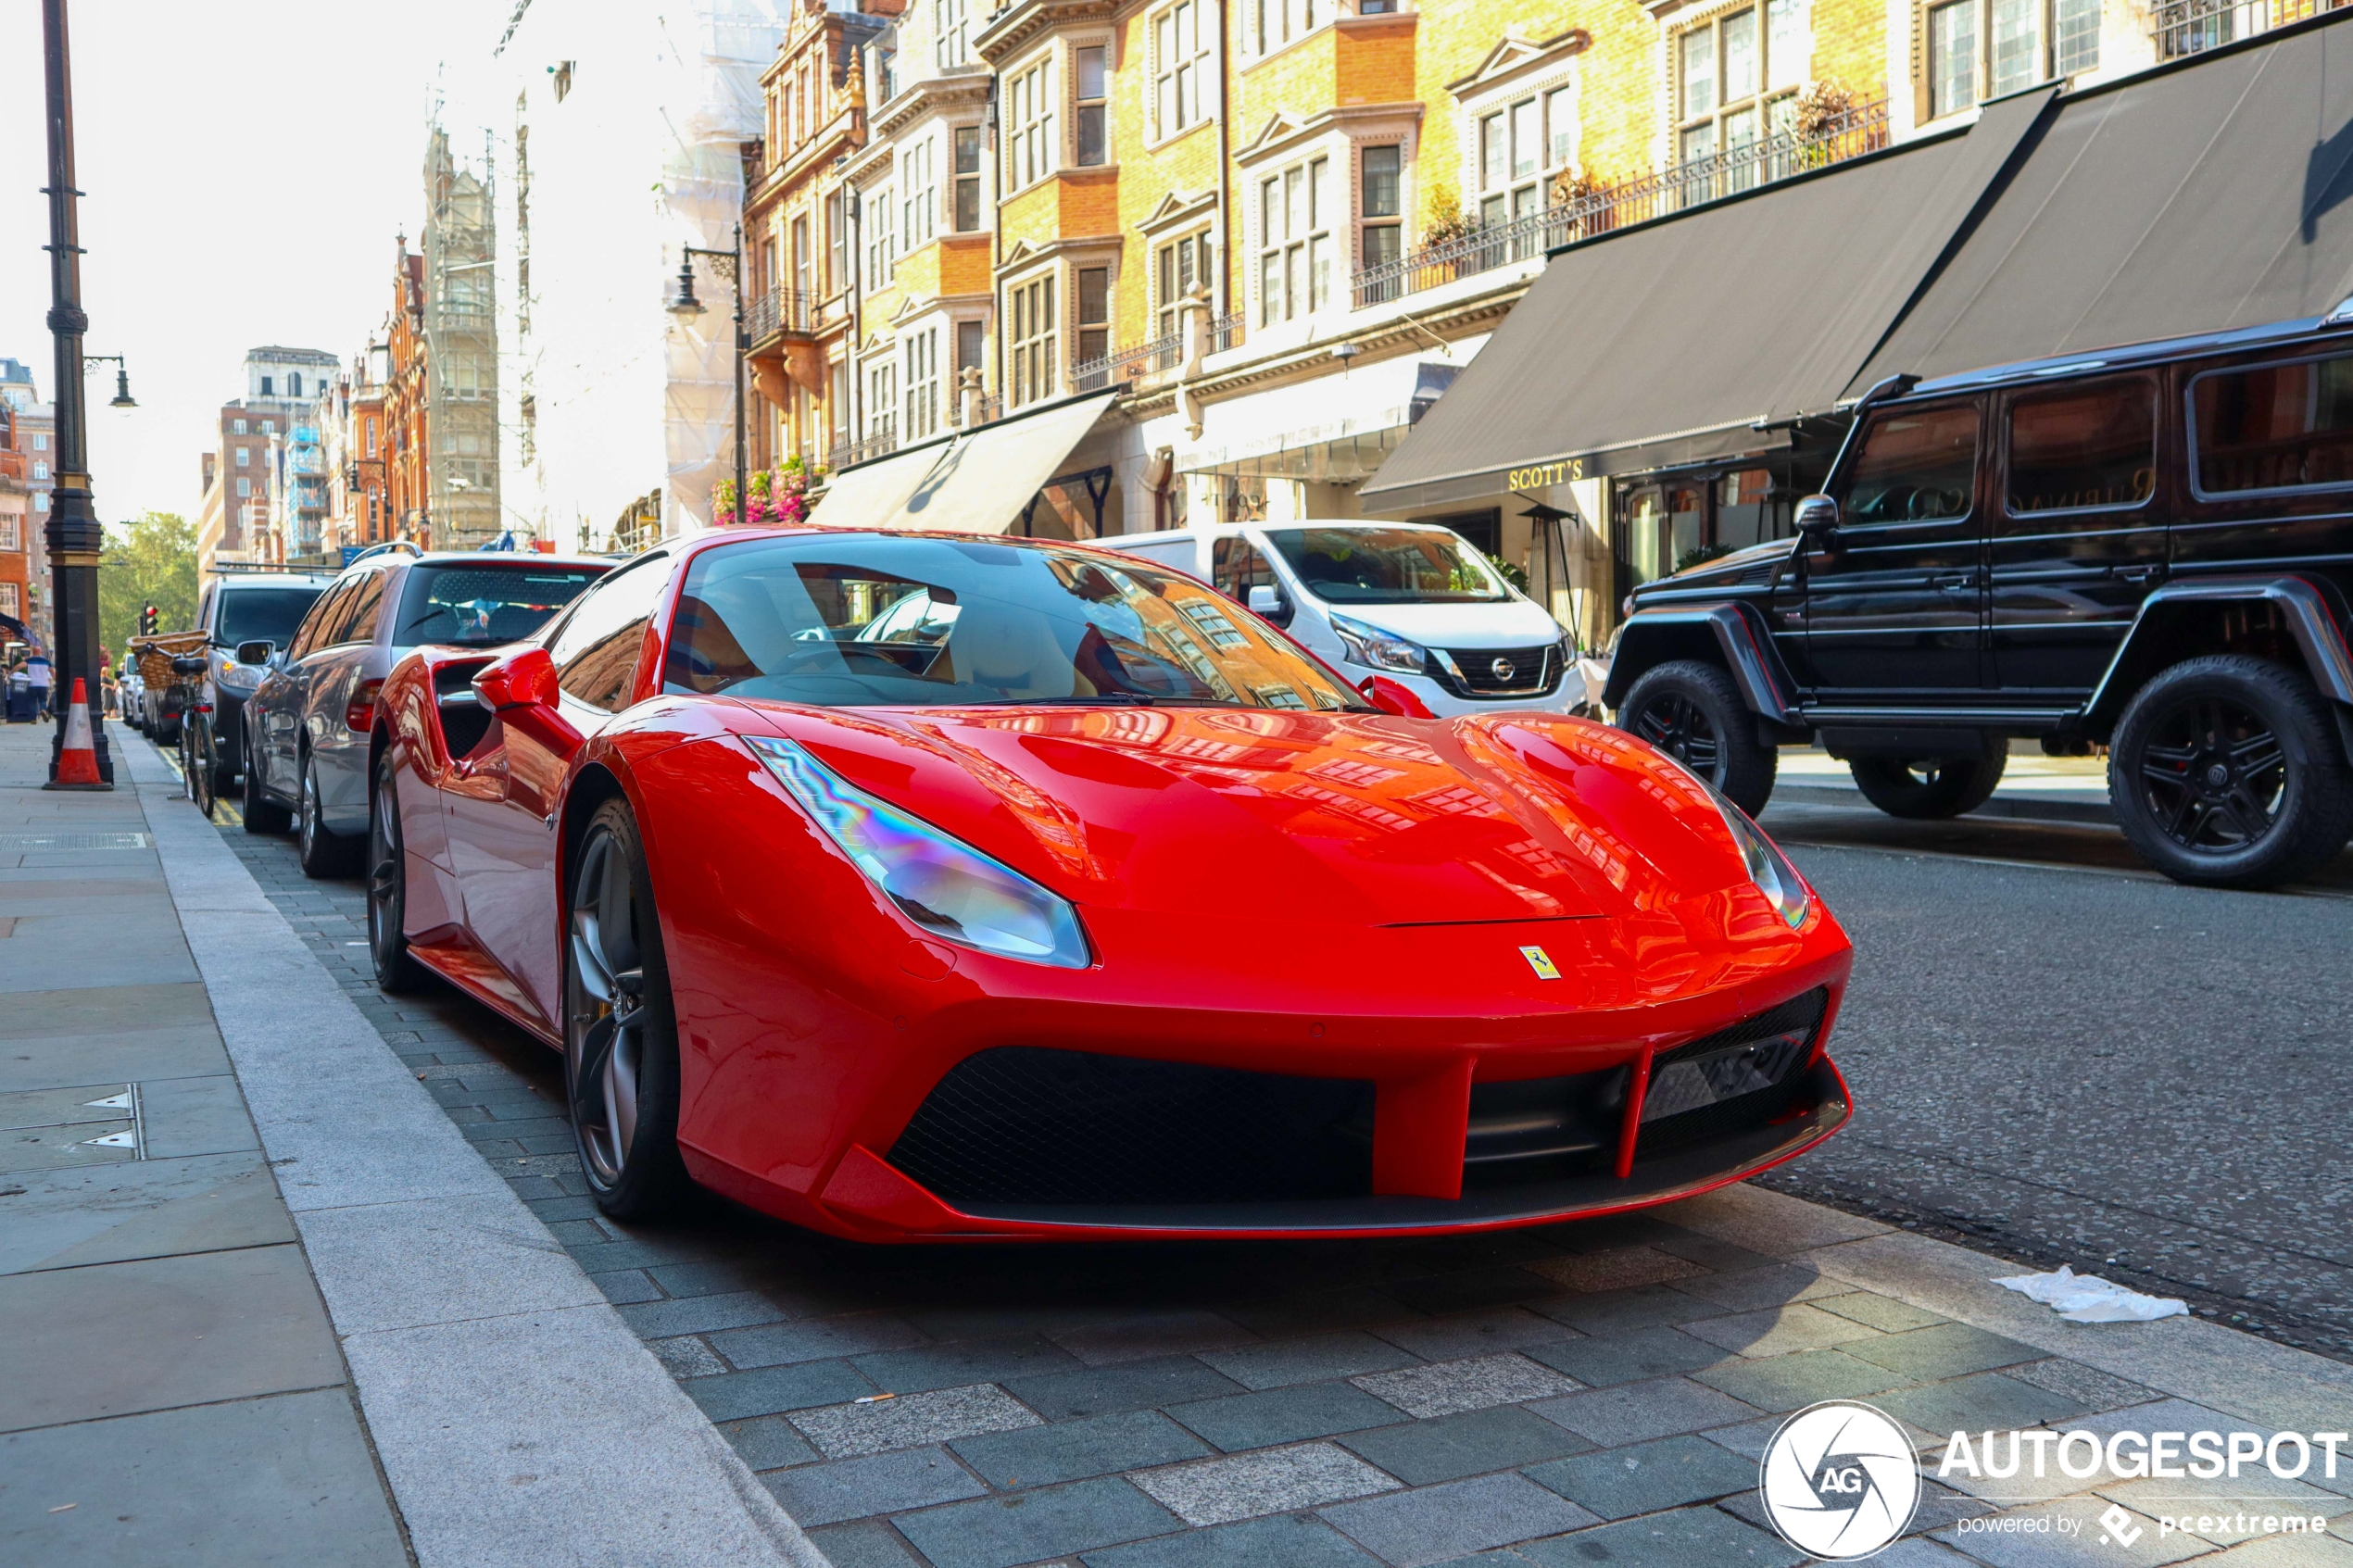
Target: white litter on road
column 2089, row 1298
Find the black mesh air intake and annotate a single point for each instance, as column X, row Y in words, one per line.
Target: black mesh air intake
column 1020, row 1124
column 1746, row 1075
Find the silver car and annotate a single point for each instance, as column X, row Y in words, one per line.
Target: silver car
column 308, row 728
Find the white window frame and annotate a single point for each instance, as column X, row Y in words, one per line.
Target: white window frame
column 951, row 44
column 1033, row 338
column 919, row 356
column 1030, row 150
column 1271, row 25
column 882, row 395
column 1183, row 41
column 1079, row 106
column 1507, row 184
column 12, row 531
column 1780, row 48
column 1368, row 222
column 1304, row 193
column 1170, row 282
column 9, row 605
column 2045, row 60
column 919, row 205
column 882, row 234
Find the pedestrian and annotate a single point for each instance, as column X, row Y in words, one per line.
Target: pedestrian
column 37, row 673
column 110, row 698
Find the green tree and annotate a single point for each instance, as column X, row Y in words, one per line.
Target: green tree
column 151, row 562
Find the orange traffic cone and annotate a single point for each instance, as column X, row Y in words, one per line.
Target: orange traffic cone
column 77, row 760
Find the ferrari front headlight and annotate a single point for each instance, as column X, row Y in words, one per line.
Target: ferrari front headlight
column 1767, row 867
column 948, row 887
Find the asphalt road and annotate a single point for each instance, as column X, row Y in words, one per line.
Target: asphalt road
column 2060, row 1057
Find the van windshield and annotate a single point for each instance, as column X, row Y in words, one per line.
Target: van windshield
column 1387, row 566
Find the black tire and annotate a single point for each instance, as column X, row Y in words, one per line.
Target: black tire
column 325, row 854
column 262, row 814
column 1924, row 788
column 397, row 973
column 196, row 772
column 2226, row 771
column 1693, row 713
column 621, row 1036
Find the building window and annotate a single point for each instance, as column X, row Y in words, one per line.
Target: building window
column 293, row 385
column 244, row 455
column 237, row 426
column 265, row 388
column 40, row 438
column 1094, row 313
column 948, row 46
column 885, row 75
column 11, row 533
column 244, row 488
column 1382, row 206
column 1178, row 268
column 9, row 605
column 882, row 250
column 804, row 259
column 1521, row 146
column 921, row 353
column 1094, row 142
column 40, row 471
column 1035, row 330
column 969, row 343
column 1295, row 241
column 40, row 500
column 1180, row 65
column 1990, row 48
column 837, row 243
column 967, row 179
column 1739, row 80
column 1276, row 22
column 918, row 212
column 1029, row 126
column 882, row 397
column 269, row 427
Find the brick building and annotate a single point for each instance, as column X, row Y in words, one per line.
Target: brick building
column 27, row 480
column 261, row 503
column 401, row 447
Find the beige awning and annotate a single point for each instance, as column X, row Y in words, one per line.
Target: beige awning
column 989, row 478
column 871, row 494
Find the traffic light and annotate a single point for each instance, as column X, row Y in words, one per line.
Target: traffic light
column 148, row 616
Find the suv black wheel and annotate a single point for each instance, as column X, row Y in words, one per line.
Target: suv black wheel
column 388, row 889
column 323, row 854
column 621, row 1038
column 2226, row 771
column 262, row 814
column 1693, row 713
column 1927, row 787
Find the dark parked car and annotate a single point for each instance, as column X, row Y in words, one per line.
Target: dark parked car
column 2149, row 548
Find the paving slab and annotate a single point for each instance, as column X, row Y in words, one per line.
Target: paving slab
column 146, row 1208
column 1219, row 1491
column 1432, row 1524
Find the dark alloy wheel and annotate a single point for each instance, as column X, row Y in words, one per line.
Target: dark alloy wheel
column 388, row 890
column 1693, row 713
column 323, row 853
column 262, row 814
column 1924, row 788
column 621, row 1054
column 2226, row 771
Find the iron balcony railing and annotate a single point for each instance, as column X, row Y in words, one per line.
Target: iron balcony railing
column 1861, row 130
column 778, row 310
column 1156, row 357
column 880, row 440
column 2190, row 26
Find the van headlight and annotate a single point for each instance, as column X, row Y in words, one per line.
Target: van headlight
column 945, row 886
column 1376, row 650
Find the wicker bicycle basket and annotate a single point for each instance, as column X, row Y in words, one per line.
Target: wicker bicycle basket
column 157, row 652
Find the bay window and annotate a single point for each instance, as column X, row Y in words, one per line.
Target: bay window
column 1029, row 125
column 1182, row 36
column 1034, row 331
column 1295, row 241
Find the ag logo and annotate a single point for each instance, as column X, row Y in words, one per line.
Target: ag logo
column 1839, row 1480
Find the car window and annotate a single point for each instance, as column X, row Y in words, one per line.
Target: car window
column 366, row 606
column 476, row 604
column 2081, row 448
column 795, row 620
column 1236, row 566
column 1916, row 464
column 1387, row 566
column 2274, row 427
column 595, row 649
column 305, row 636
column 248, row 614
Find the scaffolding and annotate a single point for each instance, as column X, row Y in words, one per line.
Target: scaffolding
column 462, row 353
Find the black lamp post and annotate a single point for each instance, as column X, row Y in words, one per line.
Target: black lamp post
column 74, row 536
column 728, row 264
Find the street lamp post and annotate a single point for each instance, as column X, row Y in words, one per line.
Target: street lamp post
column 74, row 535
column 728, row 264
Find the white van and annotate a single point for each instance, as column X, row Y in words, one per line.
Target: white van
column 1412, row 603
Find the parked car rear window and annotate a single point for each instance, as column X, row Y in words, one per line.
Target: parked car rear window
column 914, row 622
column 2274, row 427
column 477, row 605
column 1366, row 566
column 250, row 614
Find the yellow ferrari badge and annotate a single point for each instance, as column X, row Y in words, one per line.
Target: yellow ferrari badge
column 1542, row 962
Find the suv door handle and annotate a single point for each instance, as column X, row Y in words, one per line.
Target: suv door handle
column 2138, row 574
column 1964, row 583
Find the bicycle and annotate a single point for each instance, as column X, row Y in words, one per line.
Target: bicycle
column 199, row 757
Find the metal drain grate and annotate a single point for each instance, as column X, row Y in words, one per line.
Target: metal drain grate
column 75, row 841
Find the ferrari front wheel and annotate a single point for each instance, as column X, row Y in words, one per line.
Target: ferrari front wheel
column 621, row 1040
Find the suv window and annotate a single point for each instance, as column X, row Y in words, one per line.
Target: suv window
column 1917, row 465
column 595, row 649
column 366, row 604
column 2084, row 448
column 306, row 637
column 2273, row 427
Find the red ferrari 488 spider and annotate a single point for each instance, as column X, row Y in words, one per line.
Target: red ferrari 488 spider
column 928, row 886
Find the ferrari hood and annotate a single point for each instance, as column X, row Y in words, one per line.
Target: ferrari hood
column 1355, row 817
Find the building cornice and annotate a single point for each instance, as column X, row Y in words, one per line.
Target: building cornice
column 1283, row 134
column 966, row 89
column 1024, row 23
column 1514, row 54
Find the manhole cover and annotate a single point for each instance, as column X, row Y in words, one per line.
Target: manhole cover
column 74, row 841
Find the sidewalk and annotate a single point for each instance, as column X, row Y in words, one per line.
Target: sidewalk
column 2051, row 789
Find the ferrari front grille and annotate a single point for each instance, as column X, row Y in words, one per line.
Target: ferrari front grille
column 1024, row 1125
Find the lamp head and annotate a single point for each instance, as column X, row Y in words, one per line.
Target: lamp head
column 682, row 301
column 122, row 391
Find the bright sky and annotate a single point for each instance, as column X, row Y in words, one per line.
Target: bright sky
column 247, row 169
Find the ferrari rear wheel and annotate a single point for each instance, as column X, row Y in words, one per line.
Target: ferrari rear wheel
column 397, row 973
column 620, row 1039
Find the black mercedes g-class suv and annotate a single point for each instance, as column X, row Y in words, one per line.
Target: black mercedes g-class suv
column 2149, row 548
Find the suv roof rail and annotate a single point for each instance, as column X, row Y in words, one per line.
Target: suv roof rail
column 262, row 569
column 408, row 545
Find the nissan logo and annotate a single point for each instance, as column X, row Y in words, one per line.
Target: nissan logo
column 1505, row 668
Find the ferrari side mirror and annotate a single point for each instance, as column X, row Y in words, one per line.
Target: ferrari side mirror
column 526, row 679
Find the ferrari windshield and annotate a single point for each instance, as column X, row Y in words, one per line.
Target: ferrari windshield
column 886, row 622
column 1388, row 566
